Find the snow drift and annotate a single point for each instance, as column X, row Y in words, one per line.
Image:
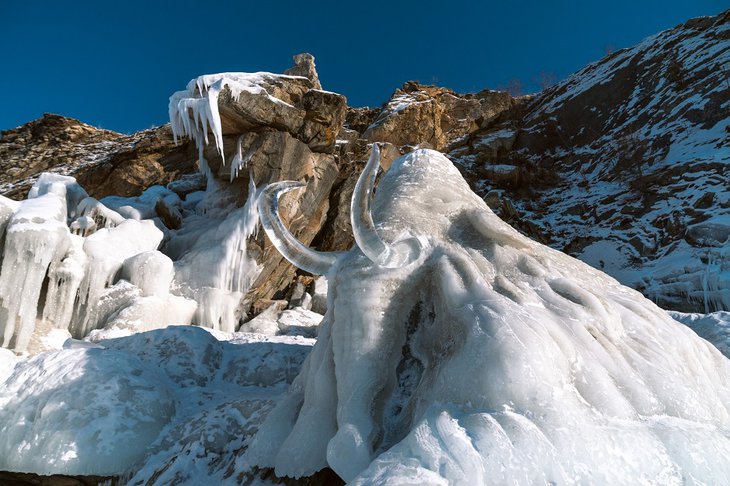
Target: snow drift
column 142, row 404
column 456, row 350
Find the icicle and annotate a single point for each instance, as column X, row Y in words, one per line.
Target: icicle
column 241, row 160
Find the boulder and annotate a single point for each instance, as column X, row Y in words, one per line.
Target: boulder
column 324, row 114
column 418, row 115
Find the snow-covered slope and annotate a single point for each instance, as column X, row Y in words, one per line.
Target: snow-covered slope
column 625, row 165
column 176, row 404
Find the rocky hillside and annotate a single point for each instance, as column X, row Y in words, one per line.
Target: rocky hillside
column 106, row 162
column 624, row 164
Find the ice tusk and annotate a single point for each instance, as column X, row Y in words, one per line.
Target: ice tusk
column 293, row 250
column 367, row 238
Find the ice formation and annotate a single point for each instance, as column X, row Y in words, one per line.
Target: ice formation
column 482, row 356
column 93, row 267
column 81, row 411
column 62, row 256
column 143, row 405
column 214, row 266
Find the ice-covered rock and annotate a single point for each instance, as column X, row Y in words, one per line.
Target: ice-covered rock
column 215, row 267
column 319, row 295
column 290, row 322
column 459, row 351
column 151, row 271
column 81, row 411
column 7, row 363
column 106, row 251
column 36, row 236
column 142, row 406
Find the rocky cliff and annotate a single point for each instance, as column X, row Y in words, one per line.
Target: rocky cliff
column 624, row 164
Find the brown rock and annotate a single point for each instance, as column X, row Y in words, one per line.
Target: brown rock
column 359, row 119
column 169, row 215
column 251, row 111
column 418, row 115
column 104, row 162
column 304, row 66
column 325, row 112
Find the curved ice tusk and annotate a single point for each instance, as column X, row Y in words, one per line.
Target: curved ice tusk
column 367, row 238
column 292, row 249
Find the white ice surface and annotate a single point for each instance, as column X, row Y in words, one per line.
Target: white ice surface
column 290, row 322
column 36, row 236
column 212, row 262
column 7, row 363
column 174, row 403
column 493, row 359
column 151, row 271
column 81, row 411
column 106, row 250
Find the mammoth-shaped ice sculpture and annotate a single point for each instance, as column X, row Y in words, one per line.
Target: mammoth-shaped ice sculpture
column 456, row 350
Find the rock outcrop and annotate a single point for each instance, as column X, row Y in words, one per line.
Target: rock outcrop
column 105, row 162
column 432, row 117
column 272, row 128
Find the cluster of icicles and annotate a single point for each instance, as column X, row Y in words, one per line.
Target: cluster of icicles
column 73, row 243
column 70, row 266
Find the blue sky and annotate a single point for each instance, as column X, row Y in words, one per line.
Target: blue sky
column 114, row 64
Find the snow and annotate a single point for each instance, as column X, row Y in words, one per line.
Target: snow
column 493, row 358
column 133, row 405
column 290, row 322
column 81, row 411
column 142, row 206
column 107, row 250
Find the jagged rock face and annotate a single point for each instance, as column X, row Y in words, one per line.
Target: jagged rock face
column 105, row 162
column 623, row 163
column 427, row 115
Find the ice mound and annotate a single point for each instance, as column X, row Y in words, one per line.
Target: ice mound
column 136, row 405
column 225, row 389
column 457, row 351
column 61, row 250
column 81, row 411
column 291, row 322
